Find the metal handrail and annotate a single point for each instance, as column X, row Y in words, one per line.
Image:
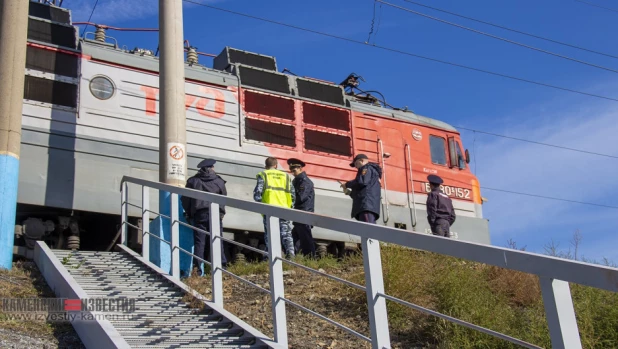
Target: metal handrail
column 132, row 226
column 193, row 255
column 351, row 284
column 193, row 227
column 305, row 309
column 133, row 205
column 554, row 273
column 158, row 238
column 583, row 273
column 460, row 322
column 246, row 281
column 250, row 248
column 159, row 214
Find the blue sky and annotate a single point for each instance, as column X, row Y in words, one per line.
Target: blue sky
column 457, row 96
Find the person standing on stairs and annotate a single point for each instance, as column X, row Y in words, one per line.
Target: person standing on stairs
column 197, row 212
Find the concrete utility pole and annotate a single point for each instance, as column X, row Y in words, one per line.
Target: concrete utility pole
column 172, row 134
column 13, row 36
column 172, row 118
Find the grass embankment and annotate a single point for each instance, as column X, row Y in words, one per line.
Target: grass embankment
column 502, row 300
column 25, row 281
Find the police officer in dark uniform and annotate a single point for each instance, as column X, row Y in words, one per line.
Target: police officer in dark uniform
column 365, row 192
column 199, row 210
column 305, row 201
column 365, row 189
column 440, row 211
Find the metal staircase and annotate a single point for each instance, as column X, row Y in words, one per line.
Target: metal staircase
column 161, row 319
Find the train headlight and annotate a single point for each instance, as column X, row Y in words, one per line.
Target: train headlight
column 102, row 87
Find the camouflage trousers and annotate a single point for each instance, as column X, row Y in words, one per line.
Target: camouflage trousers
column 285, row 228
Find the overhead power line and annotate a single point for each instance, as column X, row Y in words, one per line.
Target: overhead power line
column 599, row 6
column 513, row 30
column 385, row 48
column 539, row 143
column 373, row 21
column 414, row 55
column 498, row 37
column 89, row 18
column 459, row 127
column 550, row 198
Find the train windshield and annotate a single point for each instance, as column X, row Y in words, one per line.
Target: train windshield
column 461, row 159
column 438, row 150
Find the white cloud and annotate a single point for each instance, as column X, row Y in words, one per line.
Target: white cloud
column 536, row 169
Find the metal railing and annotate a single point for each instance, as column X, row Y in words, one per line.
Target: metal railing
column 554, row 273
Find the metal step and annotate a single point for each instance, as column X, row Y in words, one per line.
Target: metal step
column 161, row 319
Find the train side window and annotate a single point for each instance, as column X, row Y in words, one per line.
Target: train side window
column 270, row 132
column 270, row 119
column 437, row 146
column 326, row 129
column 328, row 142
column 269, row 105
column 461, row 159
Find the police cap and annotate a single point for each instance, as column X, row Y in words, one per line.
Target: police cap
column 358, row 157
column 433, row 179
column 295, row 162
column 206, row 163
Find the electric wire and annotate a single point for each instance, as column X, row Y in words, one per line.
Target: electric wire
column 539, row 143
column 385, row 48
column 595, row 5
column 89, row 18
column 373, row 21
column 550, row 198
column 378, row 27
column 359, row 42
column 406, row 53
column 512, row 30
column 498, row 37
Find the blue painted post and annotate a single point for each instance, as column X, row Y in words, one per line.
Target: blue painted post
column 160, row 252
column 13, row 35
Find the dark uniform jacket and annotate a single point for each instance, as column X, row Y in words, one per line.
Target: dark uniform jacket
column 366, row 190
column 439, row 206
column 305, row 194
column 205, row 180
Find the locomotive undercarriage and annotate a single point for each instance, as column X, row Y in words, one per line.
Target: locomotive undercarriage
column 62, row 229
column 80, row 230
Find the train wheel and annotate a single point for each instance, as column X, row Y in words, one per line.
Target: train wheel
column 73, row 242
column 239, row 257
column 322, row 249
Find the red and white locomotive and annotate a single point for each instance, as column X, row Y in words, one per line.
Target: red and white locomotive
column 90, row 116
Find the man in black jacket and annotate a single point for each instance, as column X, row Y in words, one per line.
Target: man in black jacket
column 365, row 190
column 440, row 211
column 199, row 210
column 304, row 201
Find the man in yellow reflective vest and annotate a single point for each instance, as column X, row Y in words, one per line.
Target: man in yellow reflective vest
column 274, row 187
